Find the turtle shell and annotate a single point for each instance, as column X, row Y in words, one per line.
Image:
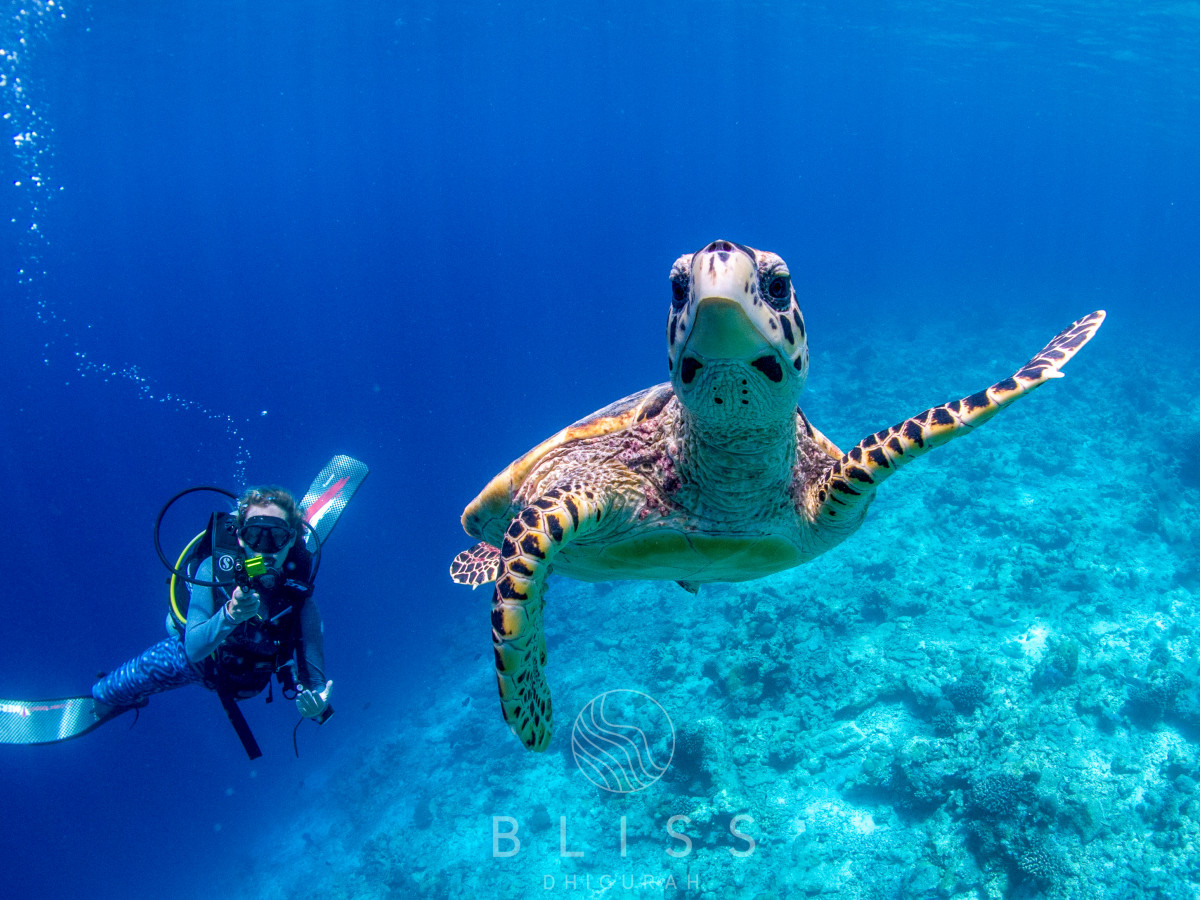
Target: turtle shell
column 494, row 504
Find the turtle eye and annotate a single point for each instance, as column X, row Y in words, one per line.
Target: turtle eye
column 779, row 290
column 679, row 292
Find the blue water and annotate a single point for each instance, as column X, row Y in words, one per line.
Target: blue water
column 246, row 237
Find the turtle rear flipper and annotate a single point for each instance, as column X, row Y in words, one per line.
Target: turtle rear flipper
column 850, row 485
column 478, row 565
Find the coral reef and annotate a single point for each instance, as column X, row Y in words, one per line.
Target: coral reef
column 990, row 692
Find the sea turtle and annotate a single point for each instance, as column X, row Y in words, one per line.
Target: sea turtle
column 715, row 476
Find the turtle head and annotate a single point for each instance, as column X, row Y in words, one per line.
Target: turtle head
column 735, row 336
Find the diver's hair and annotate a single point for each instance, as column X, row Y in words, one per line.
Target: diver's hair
column 260, row 496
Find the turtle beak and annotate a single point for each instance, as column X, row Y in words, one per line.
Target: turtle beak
column 722, row 330
column 725, row 280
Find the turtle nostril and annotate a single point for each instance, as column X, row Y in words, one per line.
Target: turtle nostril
column 770, row 367
column 719, row 247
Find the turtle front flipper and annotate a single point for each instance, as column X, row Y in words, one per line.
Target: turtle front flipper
column 478, row 565
column 532, row 541
column 848, row 488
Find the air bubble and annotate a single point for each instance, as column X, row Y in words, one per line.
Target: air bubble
column 32, row 150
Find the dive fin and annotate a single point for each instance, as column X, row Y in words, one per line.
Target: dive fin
column 330, row 492
column 51, row 721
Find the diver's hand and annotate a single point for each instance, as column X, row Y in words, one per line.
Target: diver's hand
column 243, row 606
column 312, row 703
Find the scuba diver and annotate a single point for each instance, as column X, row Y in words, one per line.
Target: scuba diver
column 245, row 616
column 234, row 641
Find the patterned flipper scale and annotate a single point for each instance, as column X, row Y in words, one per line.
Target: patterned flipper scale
column 478, row 565
column 851, row 483
column 532, row 541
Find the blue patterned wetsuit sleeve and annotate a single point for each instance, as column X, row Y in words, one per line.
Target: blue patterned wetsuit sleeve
column 175, row 661
column 160, row 668
column 207, row 624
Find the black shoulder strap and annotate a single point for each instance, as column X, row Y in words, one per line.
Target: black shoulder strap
column 213, row 543
column 226, row 551
column 298, row 565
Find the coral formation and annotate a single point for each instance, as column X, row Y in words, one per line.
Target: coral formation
column 990, row 693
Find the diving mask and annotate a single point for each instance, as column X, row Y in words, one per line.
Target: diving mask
column 266, row 534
